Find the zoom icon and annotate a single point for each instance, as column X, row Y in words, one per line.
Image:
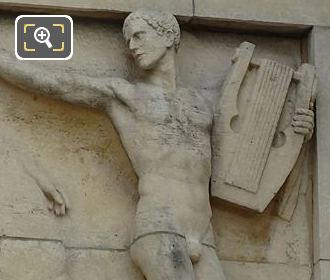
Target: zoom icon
column 43, row 37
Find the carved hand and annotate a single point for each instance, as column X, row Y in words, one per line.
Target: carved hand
column 56, row 201
column 48, row 185
column 303, row 122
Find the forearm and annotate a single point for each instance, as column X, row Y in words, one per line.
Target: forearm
column 66, row 86
column 25, row 76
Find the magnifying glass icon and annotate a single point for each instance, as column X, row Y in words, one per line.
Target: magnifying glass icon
column 41, row 35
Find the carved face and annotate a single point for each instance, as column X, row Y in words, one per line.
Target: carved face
column 145, row 44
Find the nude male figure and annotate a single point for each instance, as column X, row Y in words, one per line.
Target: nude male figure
column 166, row 132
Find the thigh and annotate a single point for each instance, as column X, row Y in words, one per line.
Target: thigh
column 162, row 257
column 209, row 266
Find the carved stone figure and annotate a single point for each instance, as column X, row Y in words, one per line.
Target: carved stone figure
column 166, row 132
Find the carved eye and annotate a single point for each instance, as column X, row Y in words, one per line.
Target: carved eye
column 139, row 35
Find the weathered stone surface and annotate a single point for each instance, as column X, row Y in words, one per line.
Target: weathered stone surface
column 84, row 152
column 253, row 271
column 23, row 259
column 296, row 12
column 32, row 260
column 100, row 265
column 112, row 8
column 261, row 238
column 282, row 12
column 322, row 270
column 60, row 136
column 320, row 44
column 71, row 140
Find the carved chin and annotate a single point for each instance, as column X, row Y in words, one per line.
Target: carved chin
column 146, row 62
column 145, row 65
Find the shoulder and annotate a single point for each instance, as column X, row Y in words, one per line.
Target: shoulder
column 122, row 90
column 119, row 84
column 121, row 87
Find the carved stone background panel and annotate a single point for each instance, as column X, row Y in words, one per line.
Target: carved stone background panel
column 83, row 151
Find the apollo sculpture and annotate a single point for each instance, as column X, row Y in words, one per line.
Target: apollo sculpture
column 166, row 131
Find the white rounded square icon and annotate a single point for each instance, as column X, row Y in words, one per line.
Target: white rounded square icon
column 44, row 37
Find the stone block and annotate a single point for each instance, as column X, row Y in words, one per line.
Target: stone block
column 253, row 271
column 113, row 8
column 101, row 265
column 319, row 45
column 31, row 260
column 296, row 12
column 270, row 239
column 322, row 270
column 283, row 12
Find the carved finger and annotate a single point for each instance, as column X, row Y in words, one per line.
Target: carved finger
column 303, row 124
column 303, row 118
column 302, row 111
column 65, row 200
column 57, row 196
column 50, row 205
column 62, row 209
column 301, row 130
column 62, row 204
column 57, row 209
column 310, row 135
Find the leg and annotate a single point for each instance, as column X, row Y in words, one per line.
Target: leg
column 209, row 266
column 162, row 256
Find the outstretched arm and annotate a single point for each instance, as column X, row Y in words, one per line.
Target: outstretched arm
column 70, row 87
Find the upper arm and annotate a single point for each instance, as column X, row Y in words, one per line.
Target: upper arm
column 74, row 88
column 96, row 92
column 83, row 90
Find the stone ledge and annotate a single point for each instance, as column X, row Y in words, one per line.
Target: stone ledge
column 273, row 11
column 224, row 15
column 105, row 9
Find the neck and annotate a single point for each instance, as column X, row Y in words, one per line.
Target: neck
column 164, row 74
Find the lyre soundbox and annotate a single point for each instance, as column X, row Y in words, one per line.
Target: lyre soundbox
column 253, row 143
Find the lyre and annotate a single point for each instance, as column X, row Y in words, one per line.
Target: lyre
column 247, row 167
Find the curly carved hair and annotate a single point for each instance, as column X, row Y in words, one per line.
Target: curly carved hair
column 161, row 22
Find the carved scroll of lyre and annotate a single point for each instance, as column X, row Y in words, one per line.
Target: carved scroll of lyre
column 248, row 167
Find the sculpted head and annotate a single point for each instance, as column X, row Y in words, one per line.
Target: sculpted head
column 150, row 35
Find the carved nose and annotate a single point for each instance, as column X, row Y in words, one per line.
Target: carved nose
column 132, row 45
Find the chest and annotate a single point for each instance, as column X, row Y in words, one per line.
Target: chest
column 183, row 108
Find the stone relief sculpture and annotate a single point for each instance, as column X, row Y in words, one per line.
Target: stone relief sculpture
column 166, row 131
